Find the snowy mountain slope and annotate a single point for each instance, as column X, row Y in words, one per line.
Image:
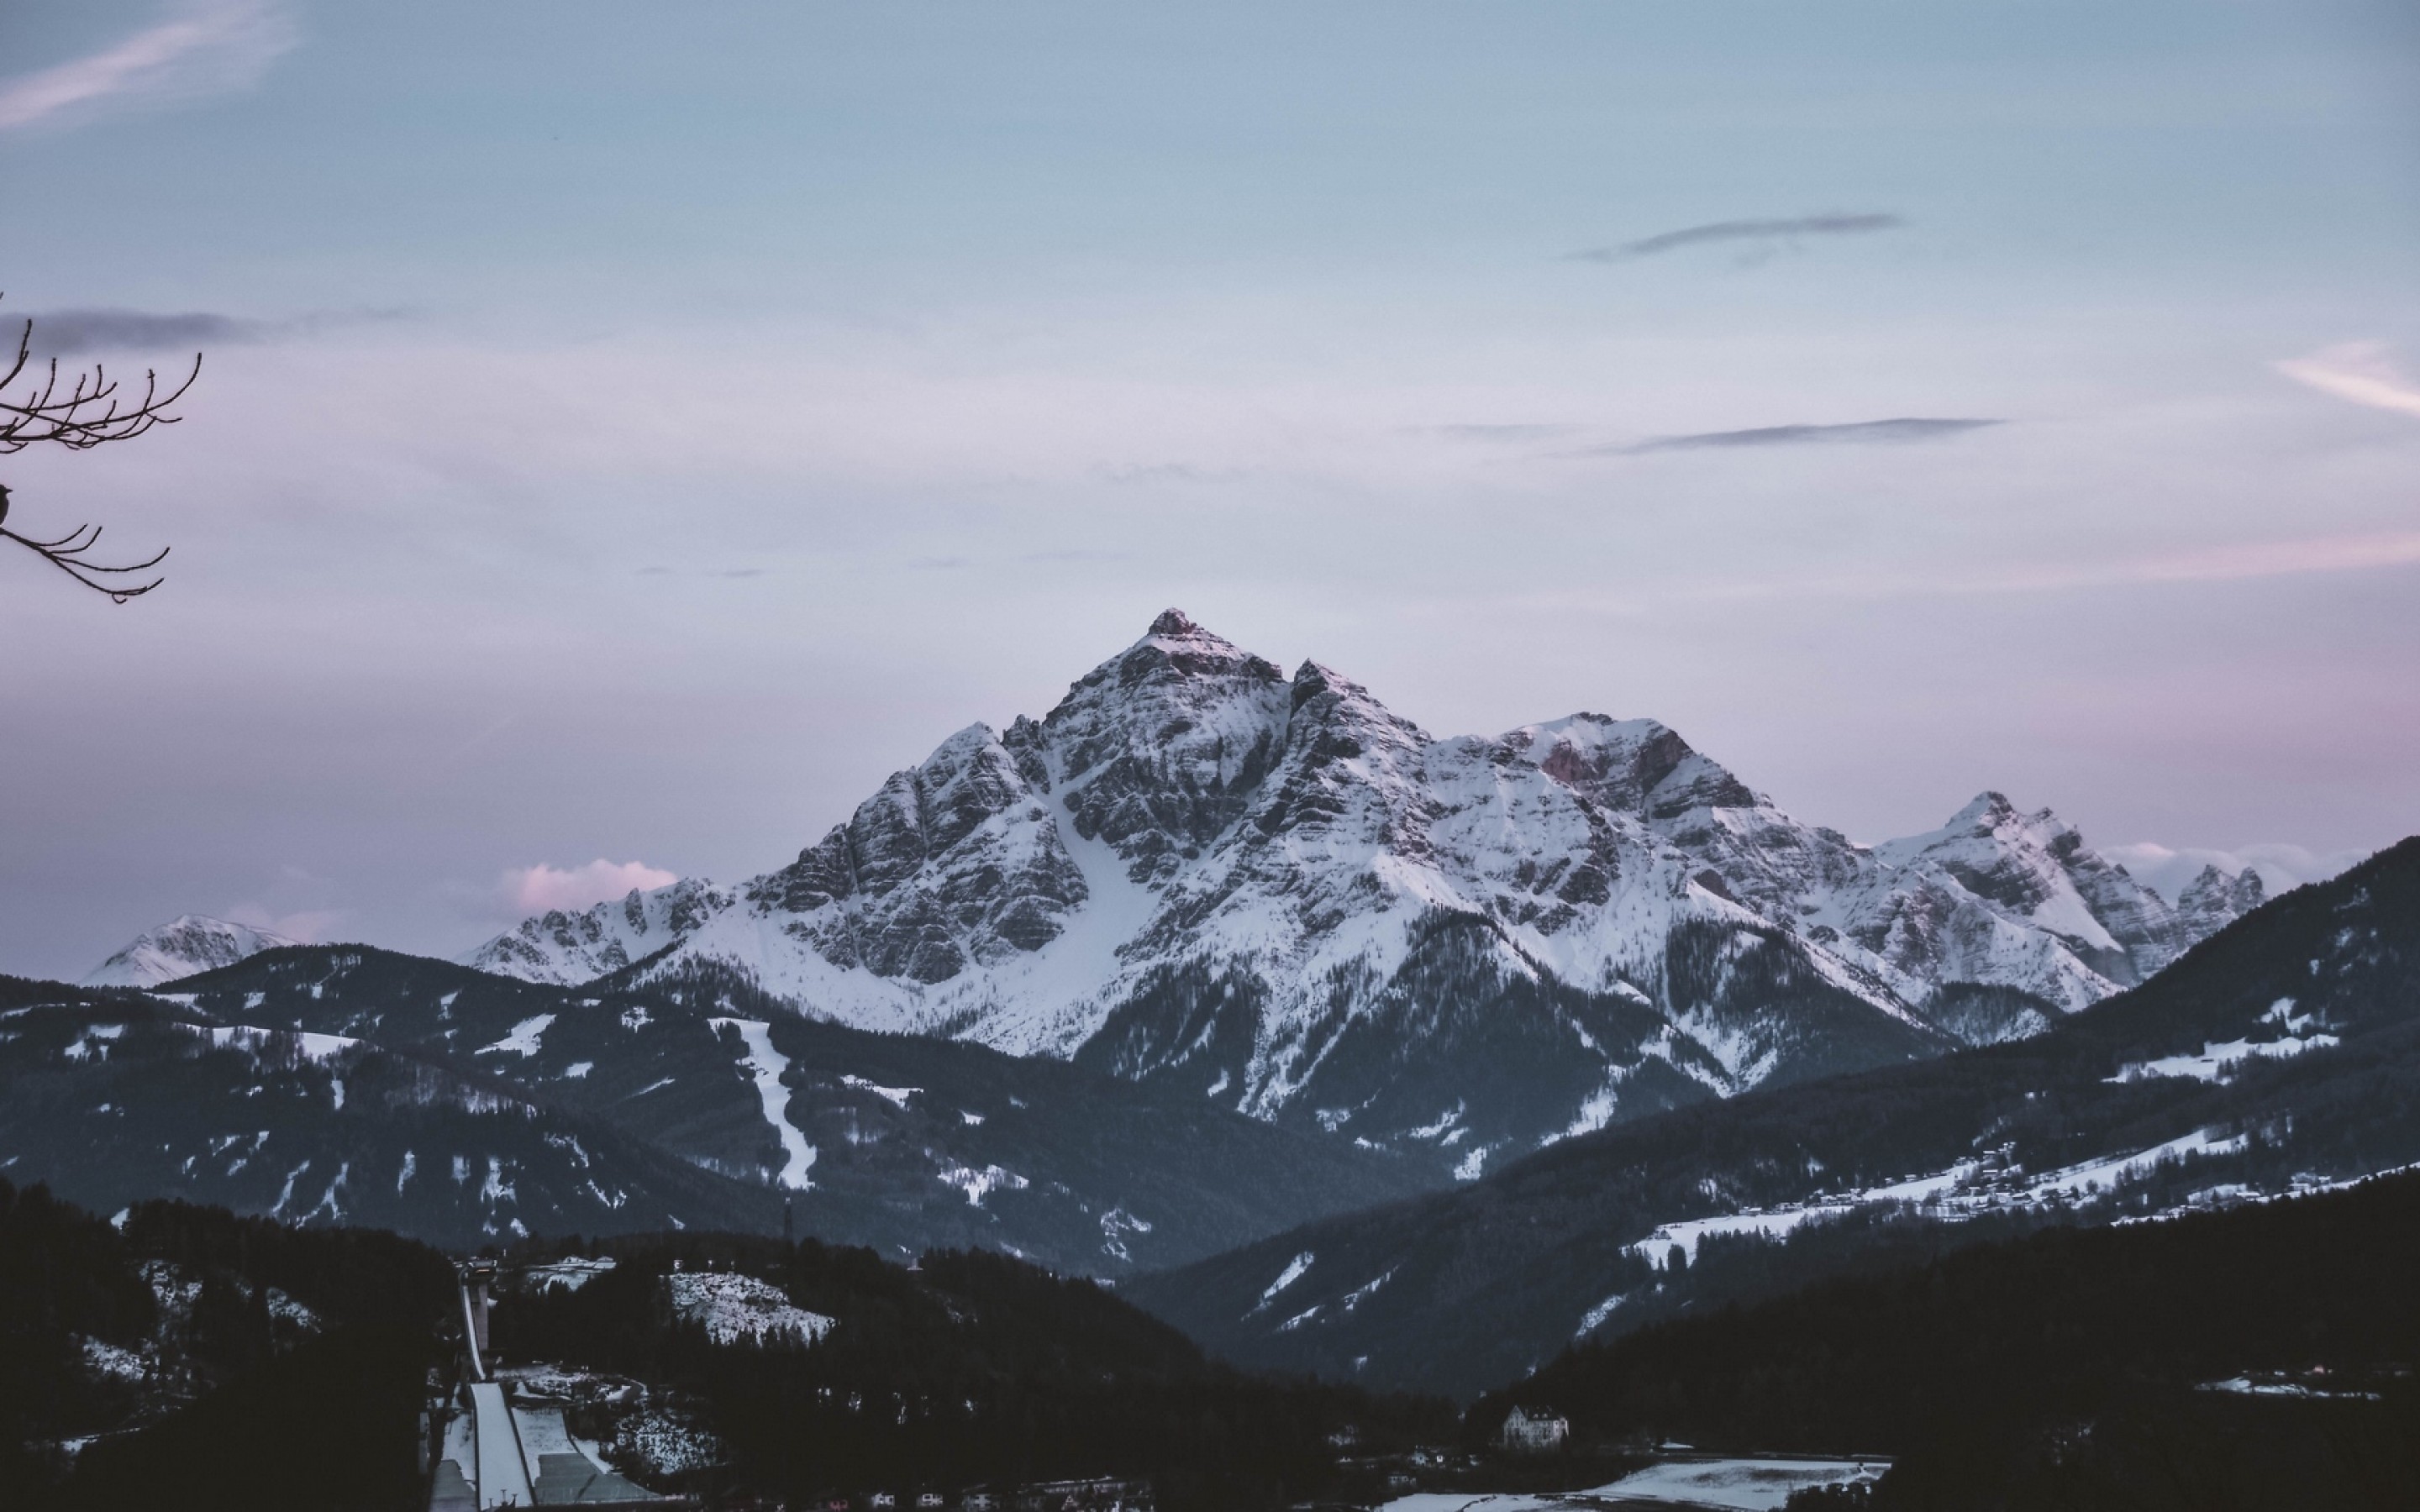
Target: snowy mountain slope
column 115, row 1098
column 181, row 948
column 2280, row 1055
column 1280, row 893
column 902, row 1142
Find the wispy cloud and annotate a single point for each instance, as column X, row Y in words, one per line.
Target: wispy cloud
column 2277, row 559
column 1513, row 433
column 1786, row 228
column 1153, row 473
column 542, row 888
column 1074, row 554
column 203, row 47
column 1903, row 428
column 2240, row 562
column 68, row 333
column 2359, row 371
column 309, row 926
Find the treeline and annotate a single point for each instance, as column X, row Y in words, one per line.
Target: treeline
column 2062, row 1368
column 220, row 1396
column 975, row 1369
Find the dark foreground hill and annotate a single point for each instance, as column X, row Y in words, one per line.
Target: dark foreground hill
column 2258, row 1358
column 972, row 1369
column 185, row 1357
column 2283, row 1052
column 190, row 1358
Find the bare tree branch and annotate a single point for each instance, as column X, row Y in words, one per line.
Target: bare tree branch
column 67, row 553
column 89, row 412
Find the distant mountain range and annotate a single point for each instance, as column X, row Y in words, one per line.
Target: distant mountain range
column 1275, row 893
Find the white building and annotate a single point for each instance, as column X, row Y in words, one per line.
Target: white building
column 1534, row 1430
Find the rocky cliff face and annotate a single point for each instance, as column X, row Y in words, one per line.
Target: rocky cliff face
column 1195, row 868
column 565, row 949
column 2213, row 900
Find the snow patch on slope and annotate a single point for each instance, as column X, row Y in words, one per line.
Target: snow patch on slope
column 734, row 1308
column 766, row 1066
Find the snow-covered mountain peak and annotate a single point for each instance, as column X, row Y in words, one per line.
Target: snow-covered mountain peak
column 1282, row 892
column 1162, row 744
column 1635, row 767
column 191, row 943
column 1986, row 814
column 2035, row 870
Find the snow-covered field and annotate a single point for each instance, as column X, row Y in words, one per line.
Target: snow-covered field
column 735, row 1307
column 569, row 1273
column 1730, row 1485
column 1740, row 1485
column 2217, row 1062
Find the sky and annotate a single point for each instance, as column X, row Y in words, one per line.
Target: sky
column 627, row 432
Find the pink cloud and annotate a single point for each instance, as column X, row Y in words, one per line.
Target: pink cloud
column 543, row 889
column 309, row 926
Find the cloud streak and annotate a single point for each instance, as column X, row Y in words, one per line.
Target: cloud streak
column 205, row 47
column 68, row 333
column 1899, row 429
column 2359, row 371
column 2241, row 562
column 1780, row 229
column 1510, row 435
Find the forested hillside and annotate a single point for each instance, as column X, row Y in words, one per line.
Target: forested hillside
column 351, row 1085
column 2283, row 1051
column 186, row 1357
column 182, row 1356
column 2257, row 1358
column 973, row 1368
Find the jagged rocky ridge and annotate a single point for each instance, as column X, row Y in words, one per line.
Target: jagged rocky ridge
column 1199, row 871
